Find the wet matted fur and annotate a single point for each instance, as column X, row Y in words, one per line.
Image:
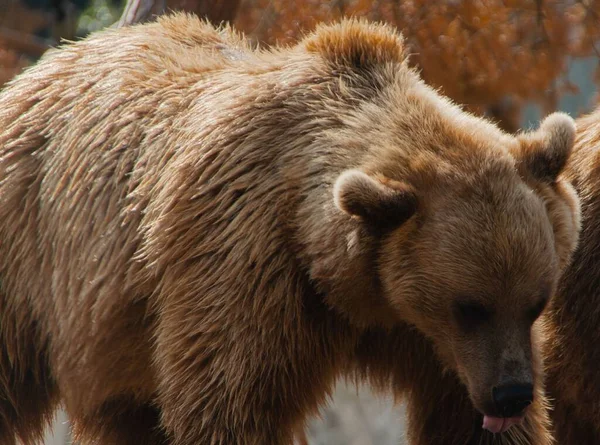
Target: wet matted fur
column 198, row 238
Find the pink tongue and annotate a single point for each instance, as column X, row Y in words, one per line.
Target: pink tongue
column 500, row 424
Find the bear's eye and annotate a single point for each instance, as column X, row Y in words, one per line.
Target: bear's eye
column 534, row 312
column 470, row 313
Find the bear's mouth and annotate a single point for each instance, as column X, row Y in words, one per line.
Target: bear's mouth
column 500, row 424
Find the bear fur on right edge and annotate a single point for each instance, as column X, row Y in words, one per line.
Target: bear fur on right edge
column 572, row 347
column 198, row 238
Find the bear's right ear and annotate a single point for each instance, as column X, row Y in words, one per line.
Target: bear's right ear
column 380, row 204
column 544, row 153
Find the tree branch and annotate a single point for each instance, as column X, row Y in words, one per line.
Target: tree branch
column 216, row 11
column 139, row 11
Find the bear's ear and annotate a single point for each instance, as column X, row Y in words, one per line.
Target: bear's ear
column 380, row 204
column 356, row 43
column 544, row 153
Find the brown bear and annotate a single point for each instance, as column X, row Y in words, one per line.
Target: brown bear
column 197, row 238
column 572, row 322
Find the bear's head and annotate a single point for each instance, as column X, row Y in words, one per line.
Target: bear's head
column 471, row 256
column 445, row 223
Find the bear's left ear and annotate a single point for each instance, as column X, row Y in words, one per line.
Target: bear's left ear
column 379, row 204
column 357, row 43
column 544, row 153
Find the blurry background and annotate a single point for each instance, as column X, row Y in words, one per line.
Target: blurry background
column 511, row 60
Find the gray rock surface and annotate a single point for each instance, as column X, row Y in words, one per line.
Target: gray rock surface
column 358, row 417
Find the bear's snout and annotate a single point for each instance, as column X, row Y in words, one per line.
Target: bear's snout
column 511, row 400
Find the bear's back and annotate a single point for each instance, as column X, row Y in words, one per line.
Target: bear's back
column 103, row 138
column 90, row 137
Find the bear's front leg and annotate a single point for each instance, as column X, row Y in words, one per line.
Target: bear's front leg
column 439, row 411
column 227, row 378
column 438, row 408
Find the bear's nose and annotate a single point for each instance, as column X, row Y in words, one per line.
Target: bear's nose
column 511, row 400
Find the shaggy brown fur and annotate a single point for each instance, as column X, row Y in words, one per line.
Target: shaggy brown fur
column 197, row 238
column 573, row 321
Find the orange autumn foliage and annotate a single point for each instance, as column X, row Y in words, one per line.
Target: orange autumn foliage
column 486, row 54
column 491, row 55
